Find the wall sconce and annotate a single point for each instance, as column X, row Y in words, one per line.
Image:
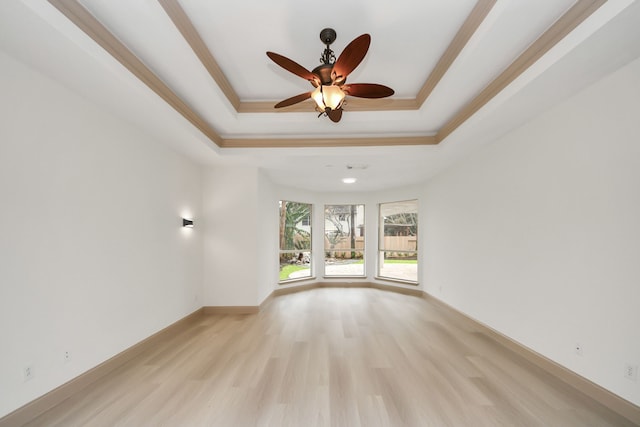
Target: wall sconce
column 188, row 223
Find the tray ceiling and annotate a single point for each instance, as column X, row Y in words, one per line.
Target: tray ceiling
column 450, row 64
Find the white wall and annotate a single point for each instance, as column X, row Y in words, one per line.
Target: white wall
column 93, row 258
column 240, row 225
column 267, row 265
column 230, row 213
column 538, row 234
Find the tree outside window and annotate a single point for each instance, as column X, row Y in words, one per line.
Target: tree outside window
column 295, row 240
column 344, row 240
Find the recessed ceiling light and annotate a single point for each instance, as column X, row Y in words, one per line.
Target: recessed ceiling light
column 349, row 180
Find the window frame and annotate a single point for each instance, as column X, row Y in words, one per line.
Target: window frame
column 382, row 249
column 353, row 227
column 303, row 221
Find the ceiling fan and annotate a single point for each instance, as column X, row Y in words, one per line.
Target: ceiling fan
column 329, row 78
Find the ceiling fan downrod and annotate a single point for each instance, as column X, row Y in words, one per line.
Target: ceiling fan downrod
column 328, row 36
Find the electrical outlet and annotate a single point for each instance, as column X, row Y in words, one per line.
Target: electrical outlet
column 67, row 356
column 578, row 349
column 27, row 373
column 631, row 372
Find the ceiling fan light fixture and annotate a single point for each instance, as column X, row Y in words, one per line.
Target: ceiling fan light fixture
column 328, row 97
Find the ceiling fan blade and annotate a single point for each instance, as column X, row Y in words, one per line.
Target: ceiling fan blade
column 293, row 100
column 350, row 57
column 335, row 115
column 293, row 67
column 367, row 90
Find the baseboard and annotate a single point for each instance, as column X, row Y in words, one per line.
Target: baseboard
column 47, row 401
column 231, row 309
column 293, row 289
column 266, row 302
column 405, row 291
column 610, row 400
column 306, row 287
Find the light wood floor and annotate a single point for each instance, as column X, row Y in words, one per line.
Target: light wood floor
column 331, row 357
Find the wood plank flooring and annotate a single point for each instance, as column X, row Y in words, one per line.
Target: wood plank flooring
column 331, row 357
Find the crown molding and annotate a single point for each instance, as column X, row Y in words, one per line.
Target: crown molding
column 75, row 12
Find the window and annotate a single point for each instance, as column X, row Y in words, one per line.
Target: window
column 295, row 240
column 398, row 241
column 344, row 240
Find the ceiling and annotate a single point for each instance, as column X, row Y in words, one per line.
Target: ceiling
column 194, row 74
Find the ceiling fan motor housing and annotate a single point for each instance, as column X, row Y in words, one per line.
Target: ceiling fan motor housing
column 324, row 73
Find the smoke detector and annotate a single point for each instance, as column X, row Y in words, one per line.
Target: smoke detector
column 360, row 167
